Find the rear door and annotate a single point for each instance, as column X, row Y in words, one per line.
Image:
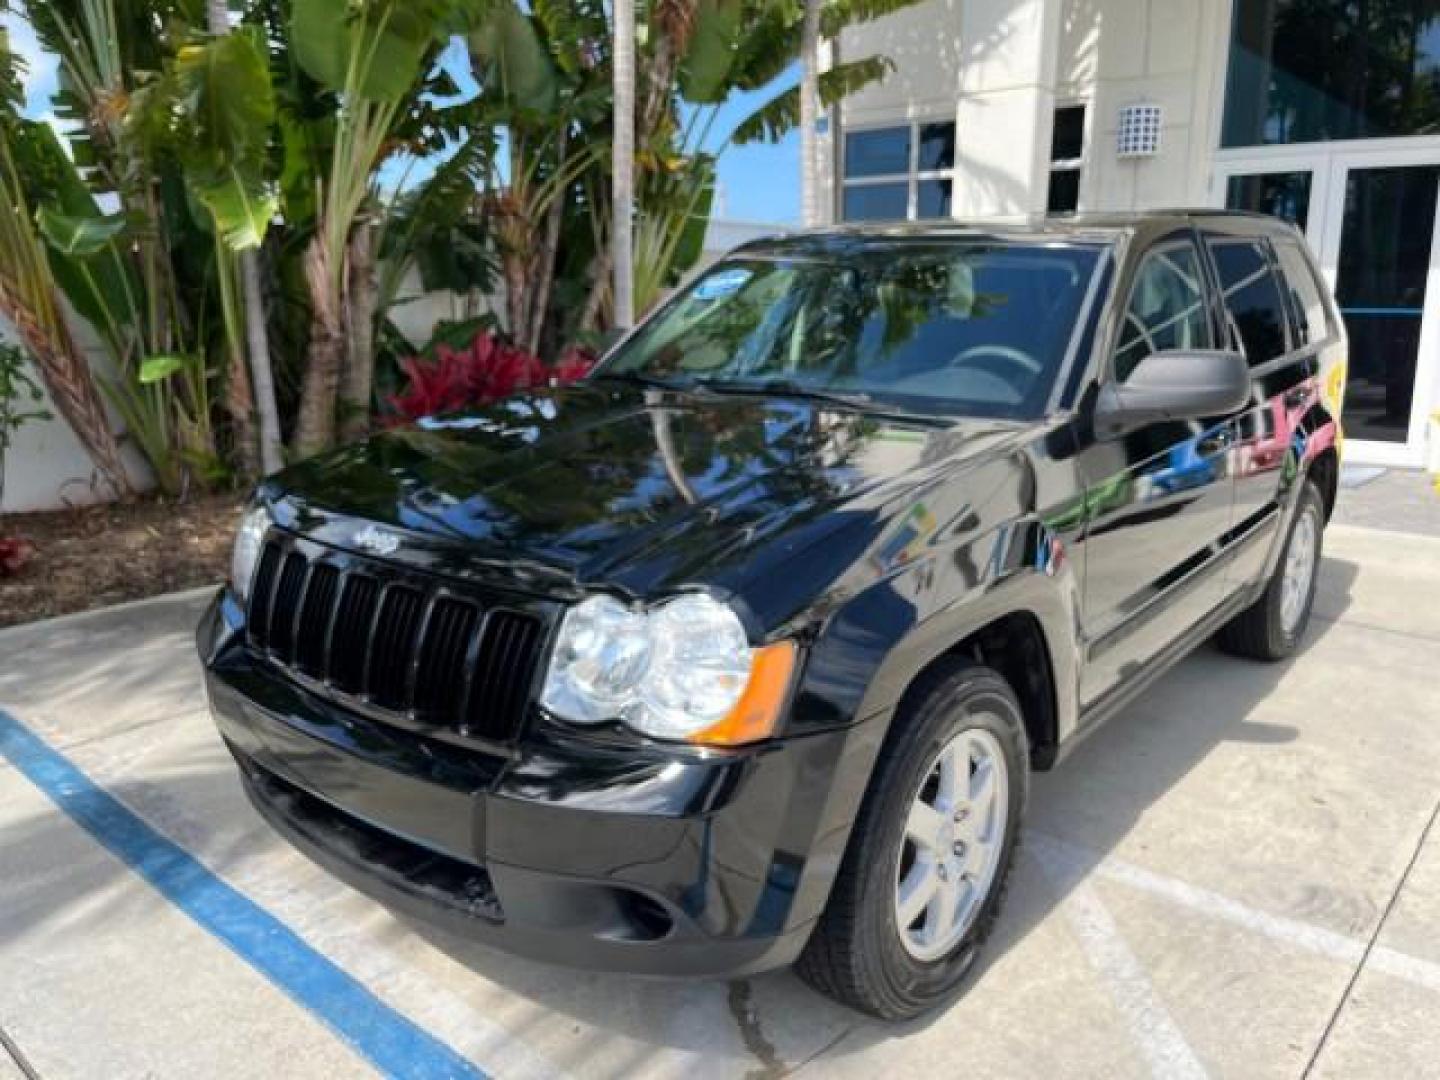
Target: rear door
column 1273, row 320
column 1159, row 498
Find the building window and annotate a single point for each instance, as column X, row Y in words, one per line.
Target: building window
column 1312, row 70
column 1067, row 151
column 898, row 173
column 1285, row 195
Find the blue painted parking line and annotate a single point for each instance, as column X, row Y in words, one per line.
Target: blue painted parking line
column 395, row 1045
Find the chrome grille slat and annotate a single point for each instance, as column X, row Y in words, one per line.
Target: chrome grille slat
column 391, row 641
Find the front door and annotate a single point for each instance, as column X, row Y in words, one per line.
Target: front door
column 1159, row 499
column 1369, row 213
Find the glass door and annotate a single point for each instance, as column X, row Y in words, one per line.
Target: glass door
column 1369, row 214
column 1380, row 239
column 1286, row 185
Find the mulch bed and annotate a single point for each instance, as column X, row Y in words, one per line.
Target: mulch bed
column 91, row 557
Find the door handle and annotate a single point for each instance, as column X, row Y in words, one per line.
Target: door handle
column 1216, row 443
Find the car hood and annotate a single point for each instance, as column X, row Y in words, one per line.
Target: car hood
column 641, row 491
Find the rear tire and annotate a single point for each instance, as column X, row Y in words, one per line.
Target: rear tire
column 963, row 723
column 1273, row 626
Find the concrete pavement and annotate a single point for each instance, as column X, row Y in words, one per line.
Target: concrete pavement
column 1239, row 876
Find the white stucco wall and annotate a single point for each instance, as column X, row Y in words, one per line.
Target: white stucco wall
column 1000, row 67
column 1166, row 52
column 47, row 468
column 417, row 312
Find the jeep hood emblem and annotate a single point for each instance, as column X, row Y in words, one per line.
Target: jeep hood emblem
column 377, row 541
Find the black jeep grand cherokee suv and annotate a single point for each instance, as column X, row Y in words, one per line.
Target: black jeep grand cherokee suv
column 740, row 652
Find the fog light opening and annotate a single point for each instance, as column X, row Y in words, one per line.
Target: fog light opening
column 647, row 917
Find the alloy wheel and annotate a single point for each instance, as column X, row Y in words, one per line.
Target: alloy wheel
column 953, row 838
column 1299, row 571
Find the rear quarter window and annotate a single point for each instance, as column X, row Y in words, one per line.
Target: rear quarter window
column 1305, row 294
column 1252, row 297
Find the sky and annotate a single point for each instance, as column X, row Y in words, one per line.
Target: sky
column 42, row 68
column 759, row 183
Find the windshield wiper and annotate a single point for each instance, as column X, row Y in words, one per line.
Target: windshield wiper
column 640, row 379
column 790, row 388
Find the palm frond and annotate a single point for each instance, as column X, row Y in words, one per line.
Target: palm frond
column 779, row 116
column 839, row 14
column 767, row 47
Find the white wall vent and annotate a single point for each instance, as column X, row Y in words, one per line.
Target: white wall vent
column 1138, row 133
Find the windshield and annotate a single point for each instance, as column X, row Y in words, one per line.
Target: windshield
column 968, row 328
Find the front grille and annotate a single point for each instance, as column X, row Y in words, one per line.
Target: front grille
column 400, row 644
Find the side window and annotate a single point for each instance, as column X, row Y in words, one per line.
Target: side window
column 1252, row 297
column 1166, row 309
column 1304, row 292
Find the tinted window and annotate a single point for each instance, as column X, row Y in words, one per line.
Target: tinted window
column 1309, row 70
column 932, row 199
column 967, row 328
column 1067, row 139
column 877, row 153
column 1252, row 296
column 1285, row 195
column 937, row 147
column 1304, row 293
column 1064, row 194
column 1166, row 309
column 876, row 202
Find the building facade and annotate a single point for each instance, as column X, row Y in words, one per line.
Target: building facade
column 1326, row 112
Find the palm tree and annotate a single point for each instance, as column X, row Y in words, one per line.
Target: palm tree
column 30, row 299
column 623, row 165
column 371, row 55
column 810, row 113
column 257, row 336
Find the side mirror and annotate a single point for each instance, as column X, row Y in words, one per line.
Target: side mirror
column 1177, row 384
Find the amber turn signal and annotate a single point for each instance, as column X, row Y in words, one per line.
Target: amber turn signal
column 757, row 713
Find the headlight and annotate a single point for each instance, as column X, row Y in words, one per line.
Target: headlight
column 248, row 540
column 683, row 670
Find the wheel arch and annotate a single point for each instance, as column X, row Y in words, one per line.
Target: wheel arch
column 1013, row 644
column 1325, row 472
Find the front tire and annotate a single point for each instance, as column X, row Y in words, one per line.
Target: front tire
column 927, row 865
column 1272, row 627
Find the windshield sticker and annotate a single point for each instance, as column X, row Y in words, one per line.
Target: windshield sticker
column 722, row 284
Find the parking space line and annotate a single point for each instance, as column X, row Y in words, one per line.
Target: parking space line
column 1154, row 1030
column 391, row 1042
column 1315, row 939
column 1370, row 945
column 8, row 1047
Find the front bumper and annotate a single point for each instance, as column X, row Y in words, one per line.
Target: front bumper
column 659, row 861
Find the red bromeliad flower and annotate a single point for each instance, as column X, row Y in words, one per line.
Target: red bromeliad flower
column 15, row 552
column 489, row 370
